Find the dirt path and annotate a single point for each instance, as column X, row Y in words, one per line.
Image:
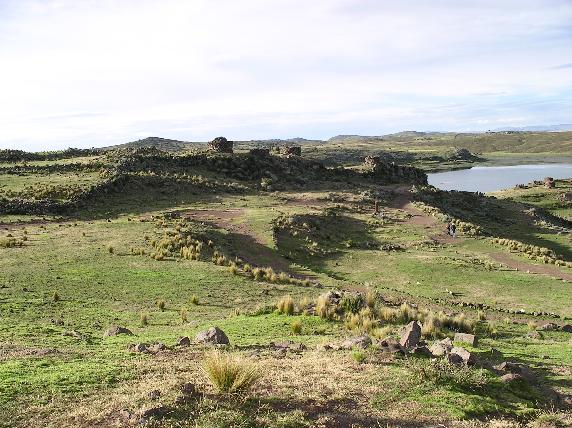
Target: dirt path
column 254, row 249
column 523, row 266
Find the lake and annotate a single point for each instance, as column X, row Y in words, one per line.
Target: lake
column 492, row 178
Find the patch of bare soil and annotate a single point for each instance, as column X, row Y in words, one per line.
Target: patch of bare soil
column 253, row 247
column 523, row 266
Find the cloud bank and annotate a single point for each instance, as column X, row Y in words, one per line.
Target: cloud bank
column 88, row 73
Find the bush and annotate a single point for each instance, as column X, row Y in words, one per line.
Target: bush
column 228, row 373
column 195, row 299
column 143, row 321
column 56, row 297
column 285, row 305
column 352, row 303
column 296, row 326
column 358, row 356
column 161, row 304
column 184, row 316
column 441, row 372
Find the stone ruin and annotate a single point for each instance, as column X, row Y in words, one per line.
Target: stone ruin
column 221, row 145
column 393, row 173
column 549, row 183
column 291, row 150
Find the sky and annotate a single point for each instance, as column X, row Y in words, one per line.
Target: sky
column 92, row 73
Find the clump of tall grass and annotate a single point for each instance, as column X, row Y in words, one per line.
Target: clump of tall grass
column 324, row 308
column 161, row 304
column 229, row 373
column 441, row 372
column 195, row 300
column 143, row 319
column 285, row 305
column 296, row 327
column 184, row 315
column 56, row 296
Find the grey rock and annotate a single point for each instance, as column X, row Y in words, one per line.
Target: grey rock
column 549, row 326
column 466, row 356
column 157, row 347
column 411, row 335
column 421, row 350
column 213, row 336
column 114, row 331
column 471, row 339
column 391, row 346
column 567, row 328
column 183, row 341
column 356, row 342
column 511, row 377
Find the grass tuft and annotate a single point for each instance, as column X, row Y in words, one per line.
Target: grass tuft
column 229, row 373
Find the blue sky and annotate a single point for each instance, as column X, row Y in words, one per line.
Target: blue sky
column 99, row 72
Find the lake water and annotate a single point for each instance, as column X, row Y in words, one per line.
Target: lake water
column 491, row 178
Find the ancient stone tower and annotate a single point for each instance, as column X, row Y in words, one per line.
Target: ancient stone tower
column 221, row 145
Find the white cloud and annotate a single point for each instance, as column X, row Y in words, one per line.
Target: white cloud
column 85, row 73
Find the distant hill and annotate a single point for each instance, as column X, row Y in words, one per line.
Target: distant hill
column 165, row 144
column 539, row 128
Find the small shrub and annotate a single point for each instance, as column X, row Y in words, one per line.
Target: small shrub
column 358, row 356
column 232, row 268
column 184, row 316
column 143, row 319
column 441, row 372
column 371, row 298
column 110, row 249
column 229, row 373
column 195, row 299
column 531, row 325
column 296, row 327
column 161, row 304
column 352, row 303
column 382, row 332
column 56, row 297
column 285, row 305
column 247, row 268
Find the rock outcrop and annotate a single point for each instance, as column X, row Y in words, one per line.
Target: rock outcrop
column 393, row 173
column 221, row 145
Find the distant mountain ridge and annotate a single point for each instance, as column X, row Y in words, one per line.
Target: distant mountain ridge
column 538, row 128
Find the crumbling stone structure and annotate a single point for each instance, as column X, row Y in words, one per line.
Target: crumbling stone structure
column 291, row 150
column 549, row 183
column 393, row 173
column 221, row 145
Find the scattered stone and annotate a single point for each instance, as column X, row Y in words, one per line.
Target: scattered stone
column 421, row 350
column 534, row 335
column 289, row 346
column 466, row 356
column 183, row 341
column 391, row 346
column 139, row 347
column 356, row 342
column 516, row 368
column 471, row 339
column 154, row 395
column 114, row 331
column 213, row 336
column 57, row 321
column 411, row 335
column 454, row 359
column 442, row 347
column 324, row 347
column 157, row 347
column 511, row 377
column 567, row 328
column 549, row 326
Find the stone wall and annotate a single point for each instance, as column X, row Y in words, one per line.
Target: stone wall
column 393, row 173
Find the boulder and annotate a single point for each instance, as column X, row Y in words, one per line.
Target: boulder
column 212, row 336
column 511, row 377
column 454, row 359
column 442, row 347
column 471, row 339
column 411, row 335
column 421, row 350
column 534, row 335
column 567, row 328
column 189, row 389
column 157, row 347
column 549, row 326
column 391, row 346
column 139, row 347
column 356, row 342
column 183, row 341
column 466, row 357
column 114, row 331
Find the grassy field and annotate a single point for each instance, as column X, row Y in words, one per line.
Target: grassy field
column 118, row 260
